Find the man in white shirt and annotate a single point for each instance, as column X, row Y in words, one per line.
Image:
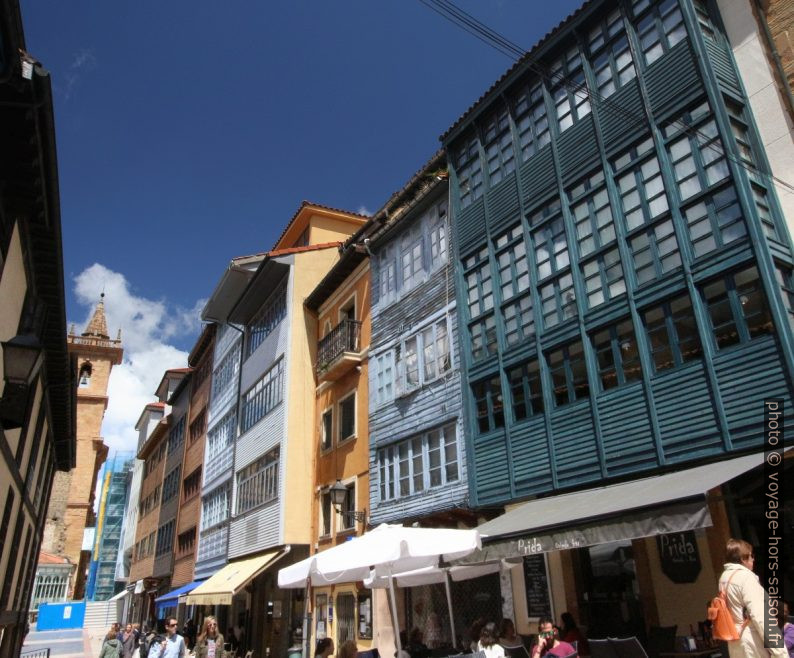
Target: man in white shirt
column 173, row 646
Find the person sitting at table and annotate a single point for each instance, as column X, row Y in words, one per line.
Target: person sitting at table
column 347, row 650
column 474, row 632
column 549, row 643
column 325, row 647
column 570, row 633
column 489, row 642
column 432, row 635
column 507, row 635
column 416, row 647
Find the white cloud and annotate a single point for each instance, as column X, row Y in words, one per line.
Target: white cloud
column 84, row 60
column 147, row 326
column 363, row 210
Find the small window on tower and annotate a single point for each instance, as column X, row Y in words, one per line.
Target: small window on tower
column 85, row 375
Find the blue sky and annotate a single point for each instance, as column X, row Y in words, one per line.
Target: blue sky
column 187, row 135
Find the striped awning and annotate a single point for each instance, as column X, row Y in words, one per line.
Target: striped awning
column 219, row 588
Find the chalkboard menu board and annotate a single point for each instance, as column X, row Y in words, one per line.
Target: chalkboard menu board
column 536, row 583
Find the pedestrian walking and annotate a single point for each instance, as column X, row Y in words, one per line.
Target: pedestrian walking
column 172, row 645
column 129, row 641
column 210, row 641
column 747, row 602
column 111, row 646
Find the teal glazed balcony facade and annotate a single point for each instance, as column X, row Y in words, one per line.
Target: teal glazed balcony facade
column 623, row 267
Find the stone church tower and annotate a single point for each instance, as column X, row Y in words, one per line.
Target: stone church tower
column 71, row 508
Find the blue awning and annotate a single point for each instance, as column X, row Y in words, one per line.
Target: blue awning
column 171, row 599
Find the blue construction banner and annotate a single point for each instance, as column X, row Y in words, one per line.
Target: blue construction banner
column 56, row 616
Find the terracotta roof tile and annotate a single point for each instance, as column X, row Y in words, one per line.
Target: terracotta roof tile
column 50, row 558
column 297, row 250
column 320, row 206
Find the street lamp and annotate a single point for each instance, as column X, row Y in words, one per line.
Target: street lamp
column 22, row 357
column 339, row 493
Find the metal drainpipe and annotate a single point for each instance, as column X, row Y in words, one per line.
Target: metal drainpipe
column 237, row 400
column 236, row 433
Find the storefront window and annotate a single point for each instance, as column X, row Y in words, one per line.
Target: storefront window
column 365, row 616
column 611, row 605
column 345, row 618
column 321, row 613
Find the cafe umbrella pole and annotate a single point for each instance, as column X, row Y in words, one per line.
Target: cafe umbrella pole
column 449, row 604
column 395, row 620
column 307, row 620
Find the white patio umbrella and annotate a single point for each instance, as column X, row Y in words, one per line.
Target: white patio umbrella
column 434, row 575
column 437, row 575
column 386, row 550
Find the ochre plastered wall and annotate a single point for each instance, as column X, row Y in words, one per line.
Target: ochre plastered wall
column 682, row 604
column 309, row 268
column 350, row 459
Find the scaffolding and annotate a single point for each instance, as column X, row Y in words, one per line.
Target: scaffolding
column 107, row 543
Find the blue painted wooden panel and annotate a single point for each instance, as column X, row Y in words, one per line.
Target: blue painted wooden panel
column 484, row 368
column 747, row 376
column 562, row 333
column 673, row 78
column 537, row 176
column 529, row 449
column 660, row 288
column 723, row 67
column 436, row 403
column 718, row 261
column 779, row 250
column 606, row 313
column 578, row 149
column 470, row 226
column 626, row 430
column 518, row 352
column 491, row 480
column 575, row 449
column 685, row 412
column 501, row 203
column 622, row 117
column 432, row 500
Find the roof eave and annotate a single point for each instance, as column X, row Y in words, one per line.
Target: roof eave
column 232, row 284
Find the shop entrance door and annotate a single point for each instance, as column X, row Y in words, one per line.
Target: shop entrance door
column 609, row 594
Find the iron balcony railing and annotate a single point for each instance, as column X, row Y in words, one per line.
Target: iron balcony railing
column 36, row 653
column 344, row 337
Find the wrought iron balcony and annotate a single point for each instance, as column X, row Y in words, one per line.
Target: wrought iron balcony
column 338, row 352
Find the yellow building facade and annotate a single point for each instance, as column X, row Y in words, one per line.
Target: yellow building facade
column 340, row 508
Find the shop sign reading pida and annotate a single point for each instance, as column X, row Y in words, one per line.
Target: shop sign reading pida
column 679, row 556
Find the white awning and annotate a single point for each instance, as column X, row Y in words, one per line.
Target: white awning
column 656, row 505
